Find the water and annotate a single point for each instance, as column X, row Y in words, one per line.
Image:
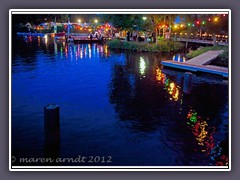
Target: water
column 120, row 106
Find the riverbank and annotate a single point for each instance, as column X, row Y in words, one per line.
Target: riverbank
column 200, row 63
column 161, row 46
column 221, row 60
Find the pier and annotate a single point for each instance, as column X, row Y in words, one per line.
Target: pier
column 199, row 64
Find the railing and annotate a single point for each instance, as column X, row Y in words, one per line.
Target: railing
column 202, row 41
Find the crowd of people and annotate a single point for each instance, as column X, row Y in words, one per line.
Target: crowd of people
column 140, row 37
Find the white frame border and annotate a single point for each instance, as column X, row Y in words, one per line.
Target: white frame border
column 117, row 11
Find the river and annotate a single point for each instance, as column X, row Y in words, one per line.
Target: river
column 120, row 106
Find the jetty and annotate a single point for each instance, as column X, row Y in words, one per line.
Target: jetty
column 199, row 64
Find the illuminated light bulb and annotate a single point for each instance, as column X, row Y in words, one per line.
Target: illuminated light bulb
column 203, row 22
column 189, row 24
column 215, row 19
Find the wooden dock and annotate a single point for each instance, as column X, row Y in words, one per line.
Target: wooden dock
column 199, row 64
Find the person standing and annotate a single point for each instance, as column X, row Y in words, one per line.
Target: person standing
column 128, row 36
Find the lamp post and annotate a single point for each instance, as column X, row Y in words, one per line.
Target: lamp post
column 144, row 19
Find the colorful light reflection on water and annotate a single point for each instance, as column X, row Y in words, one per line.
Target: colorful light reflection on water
column 115, row 103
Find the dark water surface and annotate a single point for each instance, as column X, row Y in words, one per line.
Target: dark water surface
column 116, row 105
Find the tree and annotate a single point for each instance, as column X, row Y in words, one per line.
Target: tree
column 119, row 21
column 216, row 24
column 209, row 23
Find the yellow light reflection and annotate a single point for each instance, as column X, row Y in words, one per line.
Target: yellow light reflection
column 203, row 133
column 106, row 50
column 173, row 90
column 89, row 51
column 171, row 87
column 39, row 43
column 158, row 74
column 46, row 39
column 200, row 130
column 142, row 66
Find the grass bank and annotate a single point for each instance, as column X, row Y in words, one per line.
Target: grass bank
column 162, row 46
column 202, row 50
column 222, row 59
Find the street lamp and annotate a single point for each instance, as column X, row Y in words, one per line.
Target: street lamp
column 96, row 21
column 79, row 21
column 144, row 18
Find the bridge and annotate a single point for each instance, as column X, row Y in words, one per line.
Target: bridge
column 201, row 41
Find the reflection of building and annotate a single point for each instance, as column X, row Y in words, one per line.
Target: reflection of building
column 86, row 51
